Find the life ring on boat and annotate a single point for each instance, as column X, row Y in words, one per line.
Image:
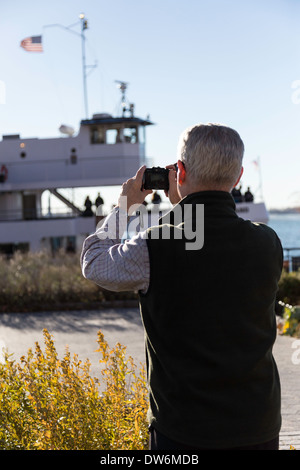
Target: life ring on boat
column 3, row 174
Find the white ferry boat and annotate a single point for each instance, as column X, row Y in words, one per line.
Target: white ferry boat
column 107, row 151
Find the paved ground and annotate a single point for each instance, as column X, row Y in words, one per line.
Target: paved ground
column 288, row 362
column 78, row 330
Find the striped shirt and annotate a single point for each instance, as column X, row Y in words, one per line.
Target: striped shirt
column 113, row 263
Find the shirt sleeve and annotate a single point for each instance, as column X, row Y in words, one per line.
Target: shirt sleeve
column 113, row 264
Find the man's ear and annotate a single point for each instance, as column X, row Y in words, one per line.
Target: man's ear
column 181, row 173
column 238, row 180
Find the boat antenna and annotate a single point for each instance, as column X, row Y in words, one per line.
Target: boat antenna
column 123, row 87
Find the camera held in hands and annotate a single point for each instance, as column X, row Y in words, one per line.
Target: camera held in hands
column 156, row 178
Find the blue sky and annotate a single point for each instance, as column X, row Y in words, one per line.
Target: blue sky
column 227, row 61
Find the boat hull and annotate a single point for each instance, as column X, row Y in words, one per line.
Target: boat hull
column 254, row 211
column 39, row 234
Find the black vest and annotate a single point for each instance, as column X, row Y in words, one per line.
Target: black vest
column 209, row 328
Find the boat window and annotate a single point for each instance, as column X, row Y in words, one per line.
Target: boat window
column 111, row 136
column 131, row 135
column 98, row 136
column 141, row 134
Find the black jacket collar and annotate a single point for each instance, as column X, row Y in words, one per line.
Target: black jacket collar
column 215, row 202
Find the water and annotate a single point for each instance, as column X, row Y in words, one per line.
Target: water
column 287, row 227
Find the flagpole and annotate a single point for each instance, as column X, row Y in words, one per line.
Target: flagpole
column 83, row 28
column 260, row 178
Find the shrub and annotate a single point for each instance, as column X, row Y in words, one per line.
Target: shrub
column 289, row 288
column 39, row 281
column 52, row 404
column 290, row 323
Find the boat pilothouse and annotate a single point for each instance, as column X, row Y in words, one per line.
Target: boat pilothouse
column 106, row 151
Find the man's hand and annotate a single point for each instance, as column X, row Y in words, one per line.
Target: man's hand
column 172, row 193
column 132, row 192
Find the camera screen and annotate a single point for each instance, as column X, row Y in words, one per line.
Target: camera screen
column 156, row 178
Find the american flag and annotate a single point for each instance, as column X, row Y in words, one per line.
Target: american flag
column 32, row 44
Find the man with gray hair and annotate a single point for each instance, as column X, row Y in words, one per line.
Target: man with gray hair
column 208, row 313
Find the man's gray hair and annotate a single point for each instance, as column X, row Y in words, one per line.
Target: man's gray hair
column 212, row 154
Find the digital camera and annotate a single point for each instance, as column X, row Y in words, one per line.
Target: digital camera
column 156, row 178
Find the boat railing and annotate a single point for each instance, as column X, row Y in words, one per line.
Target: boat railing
column 291, row 260
column 34, row 214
